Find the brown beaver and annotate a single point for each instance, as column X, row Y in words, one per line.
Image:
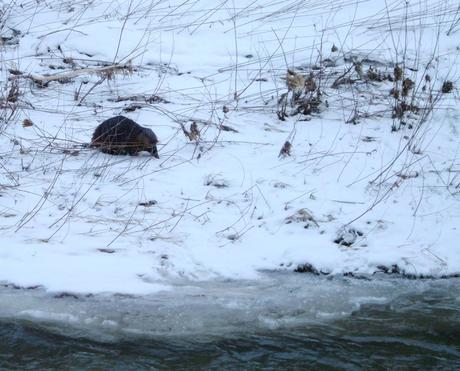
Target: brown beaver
column 120, row 135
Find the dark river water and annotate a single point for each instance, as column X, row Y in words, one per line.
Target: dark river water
column 283, row 321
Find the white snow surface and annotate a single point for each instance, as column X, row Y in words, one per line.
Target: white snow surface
column 226, row 205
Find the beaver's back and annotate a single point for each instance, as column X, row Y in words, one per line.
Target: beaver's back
column 118, row 130
column 120, row 135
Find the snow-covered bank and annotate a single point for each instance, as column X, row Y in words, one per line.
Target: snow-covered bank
column 225, row 204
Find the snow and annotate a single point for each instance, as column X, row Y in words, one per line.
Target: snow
column 226, row 206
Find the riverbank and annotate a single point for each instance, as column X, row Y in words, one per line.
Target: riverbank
column 290, row 136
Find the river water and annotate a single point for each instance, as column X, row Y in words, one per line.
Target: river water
column 281, row 321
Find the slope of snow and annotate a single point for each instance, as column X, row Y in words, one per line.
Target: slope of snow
column 227, row 205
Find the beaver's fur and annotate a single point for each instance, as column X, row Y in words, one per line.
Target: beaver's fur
column 120, row 135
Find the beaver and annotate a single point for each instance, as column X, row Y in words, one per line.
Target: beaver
column 120, row 135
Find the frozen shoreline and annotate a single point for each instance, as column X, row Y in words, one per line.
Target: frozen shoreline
column 276, row 301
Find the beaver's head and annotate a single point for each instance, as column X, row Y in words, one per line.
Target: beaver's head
column 148, row 141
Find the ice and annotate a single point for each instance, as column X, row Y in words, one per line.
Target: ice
column 276, row 301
